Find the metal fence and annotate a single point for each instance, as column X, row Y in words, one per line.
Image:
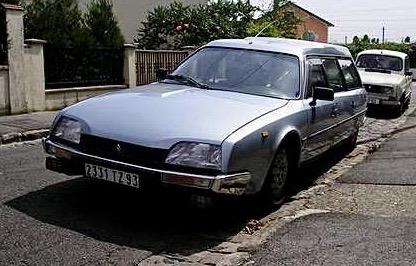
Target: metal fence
column 148, row 61
column 79, row 67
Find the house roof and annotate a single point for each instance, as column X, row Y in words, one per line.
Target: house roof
column 313, row 15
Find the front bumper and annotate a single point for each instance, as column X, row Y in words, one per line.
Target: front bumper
column 69, row 161
column 379, row 99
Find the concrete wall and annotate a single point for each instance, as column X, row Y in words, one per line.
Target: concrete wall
column 17, row 92
column 4, row 90
column 130, row 13
column 60, row 98
column 34, row 75
column 22, row 82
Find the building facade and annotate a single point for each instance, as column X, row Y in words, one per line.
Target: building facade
column 312, row 27
column 131, row 13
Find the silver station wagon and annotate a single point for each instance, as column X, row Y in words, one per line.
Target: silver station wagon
column 236, row 117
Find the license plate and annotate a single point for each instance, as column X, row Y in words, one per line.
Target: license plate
column 374, row 101
column 112, row 175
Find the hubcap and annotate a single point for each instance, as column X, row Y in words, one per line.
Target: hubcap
column 279, row 174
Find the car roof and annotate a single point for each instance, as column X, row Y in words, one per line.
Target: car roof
column 287, row 46
column 384, row 52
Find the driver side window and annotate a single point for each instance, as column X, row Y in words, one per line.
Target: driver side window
column 316, row 76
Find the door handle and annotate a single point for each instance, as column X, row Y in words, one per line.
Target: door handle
column 335, row 111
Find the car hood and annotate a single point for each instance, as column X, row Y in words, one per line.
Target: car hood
column 160, row 115
column 381, row 78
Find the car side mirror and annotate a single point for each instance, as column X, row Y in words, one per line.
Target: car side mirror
column 324, row 94
column 161, row 73
column 409, row 73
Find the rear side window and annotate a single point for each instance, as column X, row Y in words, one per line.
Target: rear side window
column 352, row 78
column 333, row 74
column 316, row 77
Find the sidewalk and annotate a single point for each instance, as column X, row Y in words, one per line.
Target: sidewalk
column 25, row 127
column 367, row 218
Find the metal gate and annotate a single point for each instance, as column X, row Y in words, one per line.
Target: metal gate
column 148, row 61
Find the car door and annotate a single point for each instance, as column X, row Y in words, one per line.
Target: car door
column 320, row 113
column 355, row 94
column 342, row 106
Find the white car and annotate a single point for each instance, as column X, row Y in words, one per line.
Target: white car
column 387, row 78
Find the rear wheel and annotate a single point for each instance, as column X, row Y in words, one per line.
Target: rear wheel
column 277, row 180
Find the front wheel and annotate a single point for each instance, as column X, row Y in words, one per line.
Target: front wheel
column 277, row 180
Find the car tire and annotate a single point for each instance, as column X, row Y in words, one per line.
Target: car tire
column 275, row 187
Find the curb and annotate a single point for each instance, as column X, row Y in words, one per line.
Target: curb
column 23, row 136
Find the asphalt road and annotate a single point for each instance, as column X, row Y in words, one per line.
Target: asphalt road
column 51, row 219
column 369, row 219
column 46, row 218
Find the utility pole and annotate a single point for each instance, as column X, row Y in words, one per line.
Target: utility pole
column 346, row 40
column 384, row 32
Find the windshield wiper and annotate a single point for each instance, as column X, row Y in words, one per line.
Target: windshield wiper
column 188, row 80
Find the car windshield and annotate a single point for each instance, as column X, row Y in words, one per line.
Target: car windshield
column 383, row 62
column 244, row 71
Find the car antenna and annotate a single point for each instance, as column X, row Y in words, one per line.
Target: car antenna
column 265, row 28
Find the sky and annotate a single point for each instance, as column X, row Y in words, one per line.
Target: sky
column 359, row 17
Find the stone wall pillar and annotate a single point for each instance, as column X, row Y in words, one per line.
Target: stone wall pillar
column 17, row 92
column 35, row 75
column 4, row 91
column 130, row 75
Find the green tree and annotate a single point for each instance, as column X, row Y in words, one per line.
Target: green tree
column 279, row 21
column 102, row 26
column 10, row 2
column 360, row 44
column 57, row 21
column 178, row 25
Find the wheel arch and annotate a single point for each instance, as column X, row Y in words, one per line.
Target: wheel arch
column 290, row 139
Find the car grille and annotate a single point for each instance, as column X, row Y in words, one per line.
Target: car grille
column 123, row 152
column 376, row 89
column 134, row 154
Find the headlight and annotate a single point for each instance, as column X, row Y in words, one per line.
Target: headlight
column 68, row 129
column 198, row 155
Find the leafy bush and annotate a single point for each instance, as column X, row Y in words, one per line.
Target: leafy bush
column 59, row 22
column 62, row 24
column 365, row 43
column 10, row 2
column 280, row 21
column 176, row 25
column 102, row 26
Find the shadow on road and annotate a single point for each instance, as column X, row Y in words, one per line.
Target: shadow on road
column 158, row 222
column 382, row 112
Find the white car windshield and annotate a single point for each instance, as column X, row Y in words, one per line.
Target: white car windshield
column 383, row 62
column 245, row 71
